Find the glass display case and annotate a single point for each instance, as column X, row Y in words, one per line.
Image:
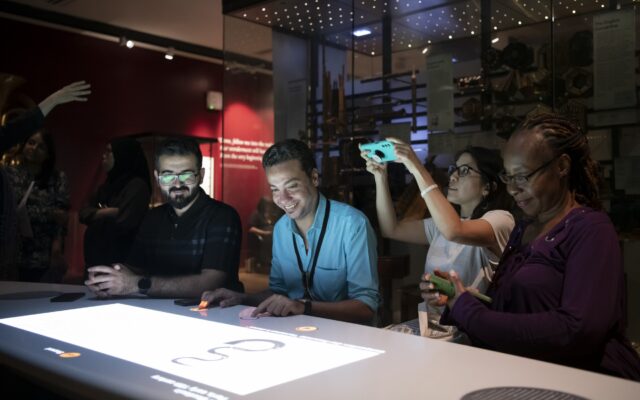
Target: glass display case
column 371, row 69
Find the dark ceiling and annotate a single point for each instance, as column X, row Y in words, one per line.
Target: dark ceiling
column 415, row 23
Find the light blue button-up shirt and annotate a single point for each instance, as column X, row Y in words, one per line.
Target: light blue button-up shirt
column 347, row 263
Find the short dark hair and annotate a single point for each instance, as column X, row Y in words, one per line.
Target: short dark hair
column 179, row 146
column 490, row 165
column 290, row 149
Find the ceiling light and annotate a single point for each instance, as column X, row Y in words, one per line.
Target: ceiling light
column 425, row 50
column 495, row 40
column 169, row 54
column 361, row 32
column 128, row 43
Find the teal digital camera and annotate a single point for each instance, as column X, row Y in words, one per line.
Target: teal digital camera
column 381, row 152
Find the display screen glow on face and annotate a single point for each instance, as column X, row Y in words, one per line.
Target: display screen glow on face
column 236, row 359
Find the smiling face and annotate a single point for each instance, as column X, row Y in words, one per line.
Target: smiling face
column 466, row 191
column 35, row 150
column 544, row 190
column 294, row 191
column 177, row 193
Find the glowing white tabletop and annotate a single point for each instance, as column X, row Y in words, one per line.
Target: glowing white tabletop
column 151, row 348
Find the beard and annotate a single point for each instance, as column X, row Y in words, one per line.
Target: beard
column 181, row 201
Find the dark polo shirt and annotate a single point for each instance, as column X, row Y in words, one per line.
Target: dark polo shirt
column 207, row 236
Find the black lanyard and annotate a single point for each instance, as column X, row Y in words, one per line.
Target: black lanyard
column 307, row 281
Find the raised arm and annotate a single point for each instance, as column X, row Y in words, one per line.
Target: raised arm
column 411, row 231
column 475, row 232
column 77, row 91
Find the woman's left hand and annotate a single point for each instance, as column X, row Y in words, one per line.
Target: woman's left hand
column 404, row 153
column 432, row 296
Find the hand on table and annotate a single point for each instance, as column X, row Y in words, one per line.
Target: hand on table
column 279, row 306
column 224, row 298
column 107, row 281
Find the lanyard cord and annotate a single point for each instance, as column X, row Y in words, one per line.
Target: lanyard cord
column 307, row 282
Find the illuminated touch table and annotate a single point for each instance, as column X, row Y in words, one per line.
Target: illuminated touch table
column 153, row 349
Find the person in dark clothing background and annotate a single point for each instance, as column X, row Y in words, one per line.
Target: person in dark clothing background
column 43, row 196
column 116, row 210
column 12, row 133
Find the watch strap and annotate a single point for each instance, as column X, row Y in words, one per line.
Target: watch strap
column 144, row 284
column 307, row 306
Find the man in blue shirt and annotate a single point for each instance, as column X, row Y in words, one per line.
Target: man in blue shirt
column 324, row 252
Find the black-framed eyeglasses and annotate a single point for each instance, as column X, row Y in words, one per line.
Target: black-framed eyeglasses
column 187, row 177
column 522, row 179
column 462, row 170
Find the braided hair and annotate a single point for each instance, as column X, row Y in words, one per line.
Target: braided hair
column 564, row 136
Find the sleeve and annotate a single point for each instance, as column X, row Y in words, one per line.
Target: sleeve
column 581, row 321
column 430, row 229
column 57, row 192
column 87, row 212
column 62, row 192
column 276, row 275
column 362, row 264
column 62, row 201
column 223, row 240
column 19, row 129
column 132, row 205
column 502, row 223
column 138, row 254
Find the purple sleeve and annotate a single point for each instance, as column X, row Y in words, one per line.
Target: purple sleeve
column 588, row 309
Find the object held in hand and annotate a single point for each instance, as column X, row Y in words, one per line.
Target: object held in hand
column 380, row 152
column 445, row 287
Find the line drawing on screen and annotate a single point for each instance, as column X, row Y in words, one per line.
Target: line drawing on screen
column 208, row 352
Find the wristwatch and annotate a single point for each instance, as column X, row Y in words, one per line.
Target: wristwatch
column 307, row 306
column 144, row 284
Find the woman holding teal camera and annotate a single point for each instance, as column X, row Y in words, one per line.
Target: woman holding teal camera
column 469, row 243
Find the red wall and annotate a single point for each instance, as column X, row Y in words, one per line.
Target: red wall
column 248, row 130
column 133, row 91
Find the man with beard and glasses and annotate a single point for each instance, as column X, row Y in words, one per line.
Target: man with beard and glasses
column 184, row 247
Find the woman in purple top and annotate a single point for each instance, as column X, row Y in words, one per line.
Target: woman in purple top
column 558, row 294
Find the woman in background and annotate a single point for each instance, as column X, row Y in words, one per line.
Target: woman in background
column 117, row 208
column 43, row 203
column 469, row 242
